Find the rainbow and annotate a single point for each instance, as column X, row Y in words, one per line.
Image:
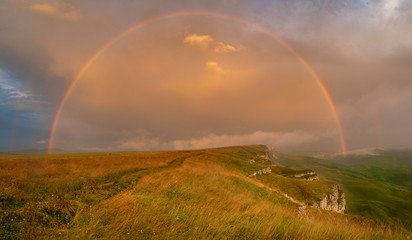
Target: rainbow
column 187, row 13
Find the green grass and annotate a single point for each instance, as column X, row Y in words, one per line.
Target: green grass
column 368, row 191
column 386, row 159
column 307, row 192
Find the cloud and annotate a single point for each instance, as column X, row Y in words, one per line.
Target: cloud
column 43, row 8
column 225, row 48
column 13, row 96
column 389, row 7
column 12, row 93
column 140, row 143
column 281, row 140
column 42, row 142
column 202, row 41
column 360, row 50
column 56, row 9
column 178, row 94
column 214, row 67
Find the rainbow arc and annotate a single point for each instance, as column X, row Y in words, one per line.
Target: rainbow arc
column 145, row 22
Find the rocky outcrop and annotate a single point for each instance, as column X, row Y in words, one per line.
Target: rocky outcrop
column 267, row 156
column 261, row 158
column 308, row 176
column 261, row 172
column 299, row 175
column 334, row 201
column 312, row 178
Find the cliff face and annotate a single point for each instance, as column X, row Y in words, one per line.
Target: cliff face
column 332, row 195
column 334, row 201
column 271, row 154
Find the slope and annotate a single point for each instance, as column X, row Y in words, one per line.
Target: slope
column 169, row 195
column 371, row 191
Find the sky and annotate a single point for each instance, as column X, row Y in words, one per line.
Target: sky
column 227, row 72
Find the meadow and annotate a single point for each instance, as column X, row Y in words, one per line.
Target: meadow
column 198, row 194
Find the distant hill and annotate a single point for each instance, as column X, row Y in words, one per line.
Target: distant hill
column 222, row 193
column 383, row 158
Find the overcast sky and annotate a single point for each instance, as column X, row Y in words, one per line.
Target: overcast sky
column 203, row 80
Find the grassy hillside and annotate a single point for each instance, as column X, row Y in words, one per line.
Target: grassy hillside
column 390, row 166
column 386, row 159
column 376, row 186
column 200, row 194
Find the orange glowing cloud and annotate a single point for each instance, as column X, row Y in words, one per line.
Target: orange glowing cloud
column 202, row 41
column 154, row 83
column 57, row 9
column 225, row 48
column 214, row 67
column 43, row 8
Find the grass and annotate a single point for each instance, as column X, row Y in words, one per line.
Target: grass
column 290, row 171
column 200, row 194
column 307, row 192
column 368, row 192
